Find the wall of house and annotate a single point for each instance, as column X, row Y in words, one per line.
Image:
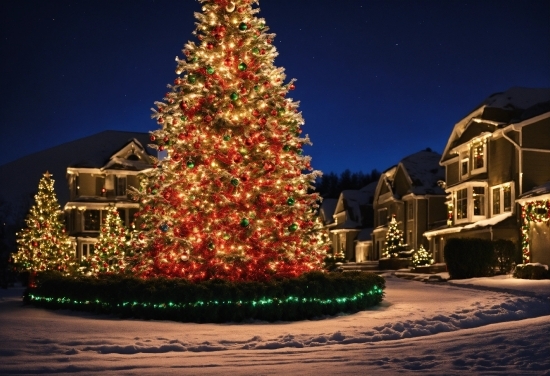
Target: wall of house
column 133, row 181
column 501, row 162
column 537, row 135
column 473, row 130
column 400, row 184
column 536, row 169
column 451, row 174
column 539, row 235
column 421, row 222
column 437, row 212
column 87, row 185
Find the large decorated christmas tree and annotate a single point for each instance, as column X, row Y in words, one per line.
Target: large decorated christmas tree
column 231, row 198
column 394, row 240
column 43, row 244
column 110, row 250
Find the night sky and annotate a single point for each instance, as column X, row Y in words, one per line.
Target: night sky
column 377, row 80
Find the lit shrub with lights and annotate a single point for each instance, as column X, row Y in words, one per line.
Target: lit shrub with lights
column 422, row 258
column 311, row 295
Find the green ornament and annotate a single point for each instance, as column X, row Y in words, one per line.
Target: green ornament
column 257, row 87
column 191, row 78
column 234, row 182
column 245, row 222
column 211, row 246
column 280, row 111
column 190, row 164
column 255, row 50
column 183, row 118
column 286, row 148
column 299, row 151
column 290, row 201
column 155, row 191
column 210, row 70
column 243, row 26
column 226, row 137
column 293, row 227
column 234, row 96
column 261, row 26
column 242, row 67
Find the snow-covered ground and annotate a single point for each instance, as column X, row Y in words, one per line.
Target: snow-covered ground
column 432, row 329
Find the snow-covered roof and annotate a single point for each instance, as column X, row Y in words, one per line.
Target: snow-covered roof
column 500, row 109
column 541, row 192
column 21, row 176
column 479, row 224
column 517, row 98
column 327, row 210
column 365, row 235
column 355, row 203
column 424, row 171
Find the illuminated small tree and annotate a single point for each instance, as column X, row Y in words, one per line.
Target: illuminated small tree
column 230, row 200
column 394, row 240
column 422, row 257
column 110, row 250
column 43, row 244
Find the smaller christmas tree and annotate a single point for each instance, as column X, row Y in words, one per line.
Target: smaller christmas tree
column 422, row 257
column 394, row 240
column 43, row 243
column 109, row 255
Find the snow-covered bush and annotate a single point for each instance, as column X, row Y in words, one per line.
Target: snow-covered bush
column 532, row 271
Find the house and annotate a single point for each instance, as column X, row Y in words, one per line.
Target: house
column 89, row 173
column 412, row 193
column 353, row 215
column 496, row 154
column 96, row 185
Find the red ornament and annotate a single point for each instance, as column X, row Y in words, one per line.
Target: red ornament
column 210, row 46
column 291, row 87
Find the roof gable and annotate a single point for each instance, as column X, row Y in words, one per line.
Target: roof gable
column 496, row 111
column 92, row 151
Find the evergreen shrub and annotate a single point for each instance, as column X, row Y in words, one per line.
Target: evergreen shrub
column 309, row 296
column 505, row 254
column 469, row 257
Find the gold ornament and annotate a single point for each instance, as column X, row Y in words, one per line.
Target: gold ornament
column 230, row 7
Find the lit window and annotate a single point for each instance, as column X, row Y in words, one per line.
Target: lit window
column 479, row 200
column 92, row 220
column 464, row 168
column 462, row 204
column 121, row 185
column 87, row 250
column 502, row 199
column 478, row 156
column 507, row 198
column 496, row 201
column 410, row 213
